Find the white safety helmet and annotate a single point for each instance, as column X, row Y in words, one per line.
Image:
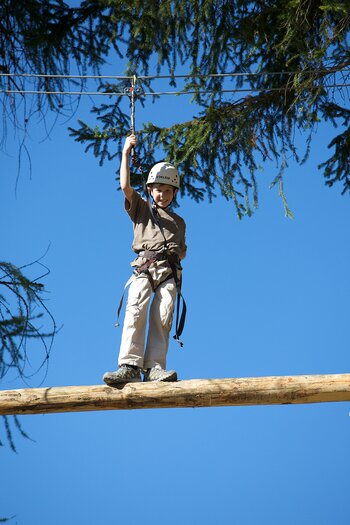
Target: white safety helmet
column 164, row 173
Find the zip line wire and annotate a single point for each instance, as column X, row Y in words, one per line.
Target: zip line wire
column 135, row 78
column 155, row 77
column 158, row 93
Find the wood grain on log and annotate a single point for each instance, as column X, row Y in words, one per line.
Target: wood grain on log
column 190, row 393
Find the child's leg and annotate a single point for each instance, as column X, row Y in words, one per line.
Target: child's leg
column 160, row 321
column 134, row 328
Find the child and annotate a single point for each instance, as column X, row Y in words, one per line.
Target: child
column 159, row 241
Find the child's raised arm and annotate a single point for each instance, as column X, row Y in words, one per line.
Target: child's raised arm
column 130, row 142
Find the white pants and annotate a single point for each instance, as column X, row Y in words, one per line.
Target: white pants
column 132, row 349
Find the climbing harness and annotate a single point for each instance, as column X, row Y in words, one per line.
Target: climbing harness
column 151, row 257
column 174, row 263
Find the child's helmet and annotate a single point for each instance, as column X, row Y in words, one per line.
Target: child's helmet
column 164, row 173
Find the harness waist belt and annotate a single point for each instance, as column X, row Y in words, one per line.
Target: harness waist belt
column 160, row 256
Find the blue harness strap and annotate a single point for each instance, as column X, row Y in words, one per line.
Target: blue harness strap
column 127, row 284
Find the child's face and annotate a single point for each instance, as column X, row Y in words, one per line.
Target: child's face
column 163, row 194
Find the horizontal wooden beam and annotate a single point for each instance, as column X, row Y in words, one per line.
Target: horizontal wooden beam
column 193, row 393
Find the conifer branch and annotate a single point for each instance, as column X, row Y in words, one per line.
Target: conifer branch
column 21, row 306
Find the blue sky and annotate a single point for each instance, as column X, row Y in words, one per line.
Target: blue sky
column 271, row 299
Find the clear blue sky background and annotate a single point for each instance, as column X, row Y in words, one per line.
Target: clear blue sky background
column 272, row 298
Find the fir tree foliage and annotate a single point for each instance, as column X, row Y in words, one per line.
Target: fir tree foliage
column 23, row 316
column 298, row 50
column 294, row 55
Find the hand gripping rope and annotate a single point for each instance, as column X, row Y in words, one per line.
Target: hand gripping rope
column 133, row 91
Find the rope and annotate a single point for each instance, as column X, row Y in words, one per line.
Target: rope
column 158, row 93
column 133, row 87
column 134, row 156
column 132, row 92
column 154, row 77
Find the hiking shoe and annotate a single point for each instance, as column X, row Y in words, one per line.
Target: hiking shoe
column 124, row 374
column 158, row 374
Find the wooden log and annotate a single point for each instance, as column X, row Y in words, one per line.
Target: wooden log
column 193, row 393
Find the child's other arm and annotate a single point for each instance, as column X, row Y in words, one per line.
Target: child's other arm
column 125, row 185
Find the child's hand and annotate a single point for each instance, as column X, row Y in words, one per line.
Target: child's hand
column 130, row 143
